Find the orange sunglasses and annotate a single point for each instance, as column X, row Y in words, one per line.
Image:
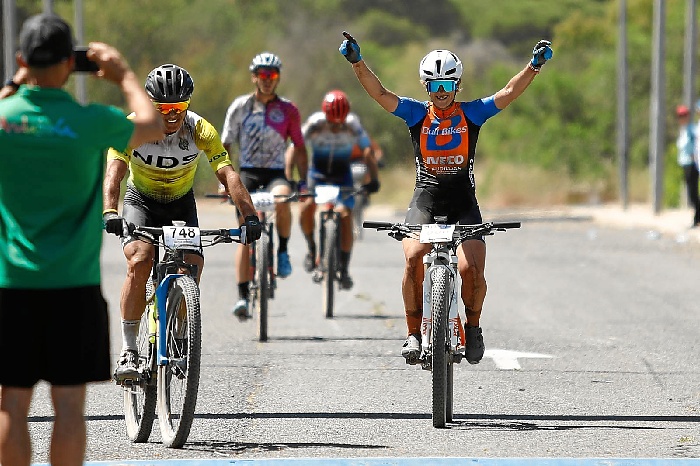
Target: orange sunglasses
column 267, row 74
column 177, row 107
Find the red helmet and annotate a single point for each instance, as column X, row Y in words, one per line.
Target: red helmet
column 336, row 106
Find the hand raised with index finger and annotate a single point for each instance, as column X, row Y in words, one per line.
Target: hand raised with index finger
column 350, row 48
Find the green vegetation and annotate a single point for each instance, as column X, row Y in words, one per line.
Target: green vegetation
column 560, row 133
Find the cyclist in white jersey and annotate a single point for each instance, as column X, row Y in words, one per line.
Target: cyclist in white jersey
column 159, row 190
column 260, row 124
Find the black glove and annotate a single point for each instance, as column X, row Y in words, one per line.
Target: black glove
column 114, row 224
column 350, row 48
column 540, row 54
column 251, row 229
column 371, row 187
column 302, row 187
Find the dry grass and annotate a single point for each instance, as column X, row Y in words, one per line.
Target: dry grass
column 507, row 185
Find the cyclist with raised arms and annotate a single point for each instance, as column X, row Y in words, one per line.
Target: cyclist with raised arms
column 332, row 134
column 260, row 124
column 444, row 134
column 159, row 190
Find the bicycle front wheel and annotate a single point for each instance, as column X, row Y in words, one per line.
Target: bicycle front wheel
column 178, row 380
column 358, row 214
column 329, row 258
column 140, row 398
column 440, row 345
column 262, row 277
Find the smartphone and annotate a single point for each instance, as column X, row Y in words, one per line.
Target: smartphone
column 82, row 64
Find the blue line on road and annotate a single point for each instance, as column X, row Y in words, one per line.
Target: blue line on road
column 407, row 462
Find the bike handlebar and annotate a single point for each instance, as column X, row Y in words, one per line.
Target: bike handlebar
column 220, row 235
column 405, row 230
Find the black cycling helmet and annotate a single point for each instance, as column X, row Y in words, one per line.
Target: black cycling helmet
column 169, row 83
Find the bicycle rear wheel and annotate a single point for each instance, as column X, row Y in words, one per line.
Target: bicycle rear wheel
column 329, row 264
column 440, row 345
column 262, row 278
column 178, row 380
column 140, row 398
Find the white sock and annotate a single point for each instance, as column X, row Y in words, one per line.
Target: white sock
column 130, row 331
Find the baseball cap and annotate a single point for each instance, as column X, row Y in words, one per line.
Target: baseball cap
column 682, row 110
column 45, row 39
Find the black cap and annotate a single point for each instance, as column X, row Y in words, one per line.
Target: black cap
column 45, row 40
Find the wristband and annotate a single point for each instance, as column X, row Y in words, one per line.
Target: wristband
column 532, row 67
column 10, row 82
column 106, row 211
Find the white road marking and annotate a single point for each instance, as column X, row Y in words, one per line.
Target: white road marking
column 508, row 360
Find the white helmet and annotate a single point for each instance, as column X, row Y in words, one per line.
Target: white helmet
column 440, row 64
column 265, row 60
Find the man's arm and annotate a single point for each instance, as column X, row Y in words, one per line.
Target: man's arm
column 114, row 174
column 300, row 160
column 384, row 97
column 239, row 194
column 19, row 78
column 350, row 49
column 541, row 53
column 515, row 87
column 371, row 163
column 148, row 124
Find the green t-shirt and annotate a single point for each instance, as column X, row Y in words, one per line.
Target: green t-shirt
column 52, row 156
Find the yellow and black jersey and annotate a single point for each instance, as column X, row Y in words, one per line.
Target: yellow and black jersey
column 164, row 170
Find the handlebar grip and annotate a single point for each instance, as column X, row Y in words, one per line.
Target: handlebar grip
column 371, row 224
column 507, row 225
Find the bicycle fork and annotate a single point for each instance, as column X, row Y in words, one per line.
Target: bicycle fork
column 432, row 262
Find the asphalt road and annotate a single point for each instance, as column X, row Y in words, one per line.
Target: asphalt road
column 592, row 351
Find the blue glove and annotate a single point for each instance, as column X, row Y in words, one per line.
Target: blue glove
column 540, row 54
column 350, row 48
column 114, row 224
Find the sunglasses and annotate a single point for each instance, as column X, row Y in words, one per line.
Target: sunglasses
column 267, row 74
column 177, row 107
column 447, row 85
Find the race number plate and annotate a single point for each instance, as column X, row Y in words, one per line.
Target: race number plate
column 263, row 201
column 326, row 193
column 436, row 233
column 182, row 237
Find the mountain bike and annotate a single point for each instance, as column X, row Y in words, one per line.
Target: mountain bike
column 442, row 334
column 328, row 271
column 262, row 268
column 170, row 335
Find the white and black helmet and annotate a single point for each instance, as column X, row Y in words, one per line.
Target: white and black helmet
column 169, row 83
column 265, row 60
column 440, row 64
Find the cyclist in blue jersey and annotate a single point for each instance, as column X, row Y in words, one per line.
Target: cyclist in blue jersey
column 333, row 134
column 444, row 132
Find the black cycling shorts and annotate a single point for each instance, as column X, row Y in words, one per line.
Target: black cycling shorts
column 141, row 210
column 459, row 206
column 255, row 179
column 57, row 335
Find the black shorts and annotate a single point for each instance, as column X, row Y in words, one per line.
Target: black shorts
column 57, row 335
column 459, row 206
column 255, row 179
column 141, row 210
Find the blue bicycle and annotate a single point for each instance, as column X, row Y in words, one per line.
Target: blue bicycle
column 170, row 335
